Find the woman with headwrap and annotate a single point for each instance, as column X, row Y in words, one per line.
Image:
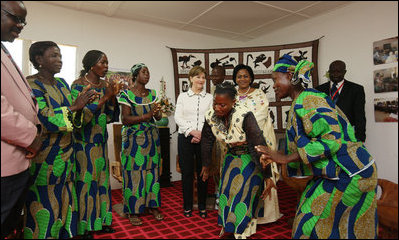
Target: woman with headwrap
column 51, row 204
column 340, row 201
column 92, row 164
column 140, row 155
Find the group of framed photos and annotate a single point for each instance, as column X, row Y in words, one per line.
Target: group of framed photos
column 260, row 59
column 385, row 76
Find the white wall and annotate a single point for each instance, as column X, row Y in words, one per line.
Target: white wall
column 349, row 35
column 124, row 42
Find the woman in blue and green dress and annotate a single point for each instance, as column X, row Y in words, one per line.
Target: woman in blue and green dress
column 92, row 164
column 340, row 201
column 51, row 205
column 140, row 157
column 242, row 178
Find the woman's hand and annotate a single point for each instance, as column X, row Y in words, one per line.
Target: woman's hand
column 204, row 173
column 196, row 134
column 86, row 96
column 267, row 154
column 113, row 88
column 268, row 190
column 195, row 140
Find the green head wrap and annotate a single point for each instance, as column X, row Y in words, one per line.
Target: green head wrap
column 136, row 68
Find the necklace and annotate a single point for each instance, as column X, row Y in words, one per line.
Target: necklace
column 243, row 94
column 140, row 93
column 93, row 84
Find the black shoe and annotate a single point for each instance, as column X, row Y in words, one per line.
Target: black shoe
column 203, row 213
column 188, row 213
column 107, row 229
column 87, row 235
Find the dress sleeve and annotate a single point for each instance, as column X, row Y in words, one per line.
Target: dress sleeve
column 255, row 137
column 57, row 119
column 123, row 98
column 179, row 117
column 318, row 131
column 112, row 111
column 207, row 141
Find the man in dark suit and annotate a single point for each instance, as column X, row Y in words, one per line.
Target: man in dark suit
column 348, row 96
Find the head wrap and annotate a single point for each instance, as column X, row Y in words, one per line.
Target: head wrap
column 136, row 68
column 301, row 69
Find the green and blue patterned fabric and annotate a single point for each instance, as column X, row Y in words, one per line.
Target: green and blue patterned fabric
column 92, row 163
column 140, row 156
column 51, row 204
column 340, row 201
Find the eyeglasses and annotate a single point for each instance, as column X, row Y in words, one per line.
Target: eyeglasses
column 16, row 19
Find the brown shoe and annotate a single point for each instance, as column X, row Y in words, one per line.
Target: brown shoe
column 135, row 220
column 155, row 212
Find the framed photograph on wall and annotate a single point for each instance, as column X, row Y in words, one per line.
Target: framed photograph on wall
column 386, row 80
column 386, row 109
column 385, row 51
column 184, row 84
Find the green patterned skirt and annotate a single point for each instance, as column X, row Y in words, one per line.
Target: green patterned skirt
column 339, row 209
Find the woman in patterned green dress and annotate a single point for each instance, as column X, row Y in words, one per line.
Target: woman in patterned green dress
column 340, row 201
column 140, row 155
column 51, row 206
column 241, row 182
column 92, row 164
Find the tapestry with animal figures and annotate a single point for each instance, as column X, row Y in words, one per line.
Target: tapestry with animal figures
column 260, row 59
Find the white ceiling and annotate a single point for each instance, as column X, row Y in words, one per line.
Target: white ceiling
column 236, row 20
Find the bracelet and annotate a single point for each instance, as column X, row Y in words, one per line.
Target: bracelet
column 69, row 109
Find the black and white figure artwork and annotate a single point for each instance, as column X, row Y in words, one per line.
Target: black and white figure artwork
column 186, row 61
column 227, row 60
column 266, row 85
column 298, row 53
column 284, row 115
column 260, row 62
column 261, row 59
column 273, row 116
column 184, row 84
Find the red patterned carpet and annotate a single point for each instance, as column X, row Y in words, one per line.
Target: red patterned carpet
column 176, row 226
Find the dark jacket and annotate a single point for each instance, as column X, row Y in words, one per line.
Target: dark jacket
column 351, row 101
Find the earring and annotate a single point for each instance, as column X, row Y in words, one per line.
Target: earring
column 40, row 66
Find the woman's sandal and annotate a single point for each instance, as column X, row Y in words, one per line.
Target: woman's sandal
column 108, row 229
column 188, row 213
column 135, row 220
column 155, row 212
column 203, row 213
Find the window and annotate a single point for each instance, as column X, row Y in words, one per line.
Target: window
column 68, row 52
column 15, row 49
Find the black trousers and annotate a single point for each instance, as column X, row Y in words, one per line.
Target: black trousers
column 190, row 158
column 13, row 195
